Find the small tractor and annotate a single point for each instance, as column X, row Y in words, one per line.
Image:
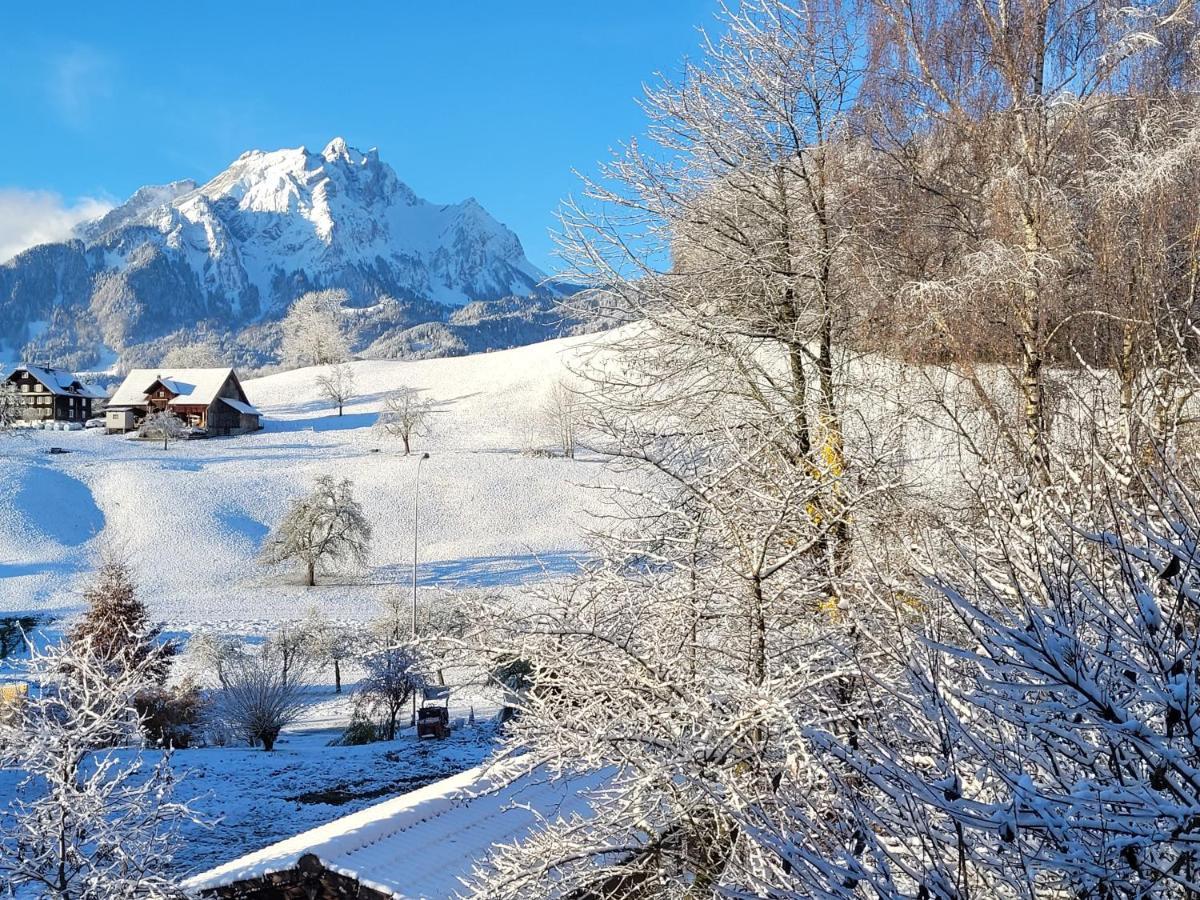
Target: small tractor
column 433, row 719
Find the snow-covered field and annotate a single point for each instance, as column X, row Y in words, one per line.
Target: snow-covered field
column 191, row 518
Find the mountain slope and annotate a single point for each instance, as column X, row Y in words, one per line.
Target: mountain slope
column 232, row 254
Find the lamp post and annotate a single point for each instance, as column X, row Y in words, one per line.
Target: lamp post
column 416, row 521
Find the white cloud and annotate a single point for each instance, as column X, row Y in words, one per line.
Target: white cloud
column 79, row 79
column 28, row 218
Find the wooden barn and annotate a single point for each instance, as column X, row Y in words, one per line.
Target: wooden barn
column 54, row 395
column 418, row 845
column 212, row 399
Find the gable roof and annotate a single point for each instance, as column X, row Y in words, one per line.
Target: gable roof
column 63, row 384
column 423, row 843
column 194, row 387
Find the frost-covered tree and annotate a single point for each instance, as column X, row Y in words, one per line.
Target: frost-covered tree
column 406, row 415
column 995, row 115
column 683, row 658
column 334, row 643
column 327, row 526
column 337, row 385
column 562, row 411
column 295, row 645
column 11, row 406
column 1041, row 740
column 116, row 625
column 162, row 425
column 91, row 819
column 200, row 355
column 312, row 330
column 392, row 677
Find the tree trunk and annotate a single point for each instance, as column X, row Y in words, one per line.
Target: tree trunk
column 404, row 437
column 268, row 737
column 337, row 676
column 311, row 573
column 758, row 633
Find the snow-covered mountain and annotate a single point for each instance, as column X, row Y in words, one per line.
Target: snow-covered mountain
column 232, row 254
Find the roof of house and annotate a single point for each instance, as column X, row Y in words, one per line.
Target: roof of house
column 194, row 387
column 64, row 384
column 424, row 843
column 241, row 407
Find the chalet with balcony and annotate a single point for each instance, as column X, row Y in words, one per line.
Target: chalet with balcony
column 52, row 395
column 212, row 399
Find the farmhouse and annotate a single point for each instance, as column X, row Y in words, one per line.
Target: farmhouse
column 420, row 844
column 212, row 399
column 53, row 395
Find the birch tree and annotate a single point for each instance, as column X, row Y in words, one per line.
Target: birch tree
column 985, row 109
column 562, row 412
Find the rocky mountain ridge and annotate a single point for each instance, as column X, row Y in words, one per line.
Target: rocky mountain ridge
column 228, row 257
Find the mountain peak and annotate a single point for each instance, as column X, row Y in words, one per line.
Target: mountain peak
column 235, row 252
column 277, row 222
column 337, row 149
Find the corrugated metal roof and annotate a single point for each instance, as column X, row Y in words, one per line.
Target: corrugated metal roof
column 422, row 844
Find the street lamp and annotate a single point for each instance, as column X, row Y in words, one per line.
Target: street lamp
column 416, row 520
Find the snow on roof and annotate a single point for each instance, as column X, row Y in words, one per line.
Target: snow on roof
column 423, row 843
column 197, row 387
column 62, row 383
column 241, row 407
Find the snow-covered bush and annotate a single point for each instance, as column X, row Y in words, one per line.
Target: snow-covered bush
column 261, row 692
column 1043, row 741
column 171, row 714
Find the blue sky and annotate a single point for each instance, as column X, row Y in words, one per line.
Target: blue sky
column 496, row 100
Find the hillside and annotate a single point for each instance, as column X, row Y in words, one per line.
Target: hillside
column 192, row 518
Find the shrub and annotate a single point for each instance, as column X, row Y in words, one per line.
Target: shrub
column 170, row 715
column 361, row 730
